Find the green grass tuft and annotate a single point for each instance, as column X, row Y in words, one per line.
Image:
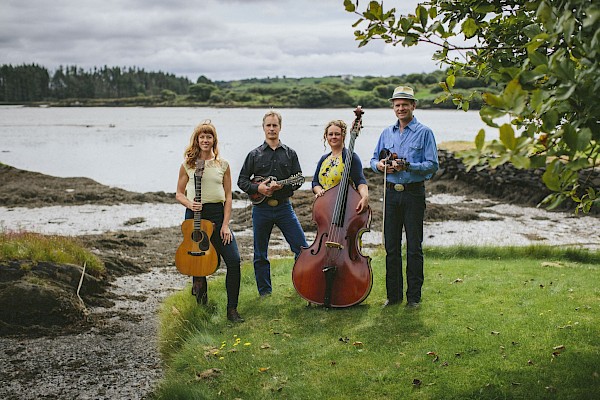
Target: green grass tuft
column 35, row 247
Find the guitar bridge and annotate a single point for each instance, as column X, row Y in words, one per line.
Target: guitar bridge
column 196, row 253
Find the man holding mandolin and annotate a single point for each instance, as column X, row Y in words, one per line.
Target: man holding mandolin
column 270, row 175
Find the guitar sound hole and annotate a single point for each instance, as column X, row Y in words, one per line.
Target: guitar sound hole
column 201, row 238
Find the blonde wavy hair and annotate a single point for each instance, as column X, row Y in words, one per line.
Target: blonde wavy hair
column 192, row 152
column 340, row 124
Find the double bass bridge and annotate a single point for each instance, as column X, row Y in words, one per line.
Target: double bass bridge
column 334, row 245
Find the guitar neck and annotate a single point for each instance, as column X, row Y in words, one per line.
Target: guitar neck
column 198, row 194
column 198, row 199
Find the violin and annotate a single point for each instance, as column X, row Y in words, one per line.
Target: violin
column 332, row 271
column 388, row 158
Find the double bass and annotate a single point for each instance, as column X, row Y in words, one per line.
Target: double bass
column 332, row 271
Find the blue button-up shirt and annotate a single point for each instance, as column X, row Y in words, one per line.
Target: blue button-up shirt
column 416, row 144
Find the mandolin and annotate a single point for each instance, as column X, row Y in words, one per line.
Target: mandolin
column 258, row 198
column 196, row 255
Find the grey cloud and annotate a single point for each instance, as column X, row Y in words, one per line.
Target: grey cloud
column 223, row 40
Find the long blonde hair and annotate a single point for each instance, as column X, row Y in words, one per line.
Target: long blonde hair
column 192, row 152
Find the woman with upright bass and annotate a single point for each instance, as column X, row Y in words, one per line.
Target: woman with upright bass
column 332, row 271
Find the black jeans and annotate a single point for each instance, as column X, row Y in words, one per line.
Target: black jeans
column 404, row 210
column 229, row 252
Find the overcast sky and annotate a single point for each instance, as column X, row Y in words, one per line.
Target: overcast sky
column 220, row 39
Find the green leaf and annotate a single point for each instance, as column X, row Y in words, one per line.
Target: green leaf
column 537, row 161
column 493, row 100
column 544, row 12
column 494, row 162
column 520, row 162
column 469, row 28
column 579, row 164
column 577, row 141
column 554, row 200
column 374, row 11
column 514, row 96
column 564, row 92
column 422, row 15
column 537, row 58
column 433, row 12
column 507, row 136
column 450, row 80
column 549, row 120
column 564, row 69
column 485, row 8
column 551, row 179
column 532, row 31
column 406, row 24
column 349, row 5
column 529, row 77
column 480, row 139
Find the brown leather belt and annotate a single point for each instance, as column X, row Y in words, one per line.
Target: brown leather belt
column 400, row 187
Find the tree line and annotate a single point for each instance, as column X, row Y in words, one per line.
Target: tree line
column 33, row 83
column 114, row 86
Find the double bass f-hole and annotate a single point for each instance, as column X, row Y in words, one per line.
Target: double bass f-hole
column 323, row 237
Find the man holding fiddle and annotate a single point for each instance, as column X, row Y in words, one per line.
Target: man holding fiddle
column 407, row 153
column 270, row 175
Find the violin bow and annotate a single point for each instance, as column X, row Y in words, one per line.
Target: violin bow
column 383, row 208
column 389, row 154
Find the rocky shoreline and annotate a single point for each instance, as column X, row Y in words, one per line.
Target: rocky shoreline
column 107, row 347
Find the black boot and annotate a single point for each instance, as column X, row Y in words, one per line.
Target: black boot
column 200, row 289
column 233, row 315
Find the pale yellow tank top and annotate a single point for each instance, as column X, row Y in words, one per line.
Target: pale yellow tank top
column 212, row 182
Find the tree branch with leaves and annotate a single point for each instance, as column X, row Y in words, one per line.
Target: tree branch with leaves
column 543, row 56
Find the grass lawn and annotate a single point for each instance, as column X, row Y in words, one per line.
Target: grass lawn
column 496, row 323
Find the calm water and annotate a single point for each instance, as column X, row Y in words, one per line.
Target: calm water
column 141, row 149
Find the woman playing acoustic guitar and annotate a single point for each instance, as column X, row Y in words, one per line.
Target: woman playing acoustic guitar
column 215, row 205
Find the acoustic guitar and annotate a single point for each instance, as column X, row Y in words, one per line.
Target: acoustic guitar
column 258, row 198
column 196, row 255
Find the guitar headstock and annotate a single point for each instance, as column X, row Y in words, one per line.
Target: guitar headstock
column 199, row 168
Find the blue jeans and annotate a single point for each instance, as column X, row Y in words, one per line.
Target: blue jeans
column 404, row 210
column 230, row 253
column 264, row 217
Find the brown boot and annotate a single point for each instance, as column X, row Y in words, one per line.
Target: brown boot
column 233, row 315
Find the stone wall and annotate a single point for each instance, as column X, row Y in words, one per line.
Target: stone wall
column 505, row 182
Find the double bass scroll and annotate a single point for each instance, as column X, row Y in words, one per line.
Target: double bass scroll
column 332, row 271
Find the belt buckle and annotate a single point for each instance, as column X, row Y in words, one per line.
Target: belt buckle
column 398, row 187
column 273, row 202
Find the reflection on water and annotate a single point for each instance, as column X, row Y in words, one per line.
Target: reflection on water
column 140, row 149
